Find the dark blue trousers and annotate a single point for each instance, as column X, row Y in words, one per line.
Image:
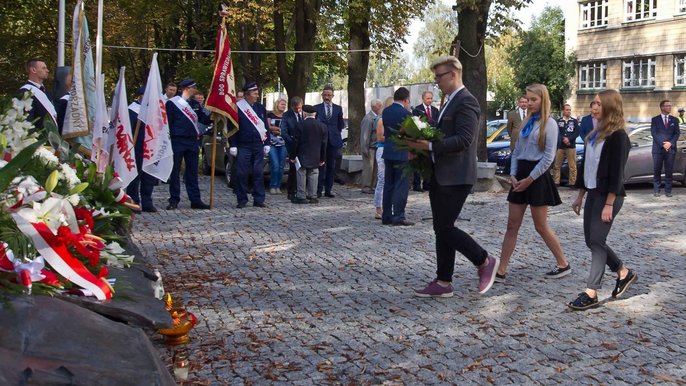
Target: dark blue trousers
column 187, row 151
column 395, row 189
column 665, row 158
column 250, row 161
column 140, row 189
column 328, row 171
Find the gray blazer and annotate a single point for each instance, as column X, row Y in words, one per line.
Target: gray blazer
column 455, row 154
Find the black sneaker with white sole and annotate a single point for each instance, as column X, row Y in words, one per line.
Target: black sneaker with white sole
column 583, row 302
column 558, row 272
column 500, row 278
column 622, row 285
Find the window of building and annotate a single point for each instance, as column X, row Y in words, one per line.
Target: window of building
column 681, row 6
column 680, row 70
column 640, row 9
column 592, row 75
column 639, row 72
column 593, row 13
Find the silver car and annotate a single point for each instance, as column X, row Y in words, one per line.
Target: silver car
column 639, row 166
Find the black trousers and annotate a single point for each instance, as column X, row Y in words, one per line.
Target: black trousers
column 446, row 205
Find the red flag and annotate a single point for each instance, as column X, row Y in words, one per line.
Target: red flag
column 222, row 96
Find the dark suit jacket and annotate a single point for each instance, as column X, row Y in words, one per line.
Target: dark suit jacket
column 310, row 138
column 455, row 154
column 335, row 124
column 585, row 126
column 392, row 117
column 61, row 108
column 420, row 111
column 287, row 126
column 661, row 133
column 610, row 175
column 514, row 124
column 38, row 112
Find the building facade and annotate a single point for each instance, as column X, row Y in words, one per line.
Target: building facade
column 637, row 47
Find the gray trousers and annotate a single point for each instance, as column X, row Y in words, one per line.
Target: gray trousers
column 595, row 233
column 307, row 178
column 368, row 176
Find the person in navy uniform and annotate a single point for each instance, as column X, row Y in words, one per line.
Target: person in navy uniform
column 249, row 145
column 288, row 122
column 42, row 106
column 62, row 103
column 665, row 131
column 183, row 114
column 331, row 115
column 566, row 145
column 140, row 189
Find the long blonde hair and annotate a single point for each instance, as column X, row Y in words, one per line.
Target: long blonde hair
column 613, row 115
column 542, row 92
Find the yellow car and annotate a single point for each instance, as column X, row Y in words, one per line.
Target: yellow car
column 495, row 131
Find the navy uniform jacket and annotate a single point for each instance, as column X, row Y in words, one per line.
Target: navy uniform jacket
column 570, row 130
column 661, row 133
column 392, row 117
column 61, row 111
column 247, row 134
column 180, row 127
column 133, row 118
column 334, row 125
column 38, row 111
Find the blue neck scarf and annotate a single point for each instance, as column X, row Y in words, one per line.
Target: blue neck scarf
column 526, row 130
column 593, row 137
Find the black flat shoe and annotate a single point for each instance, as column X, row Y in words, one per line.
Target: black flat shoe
column 199, row 205
column 622, row 285
column 240, row 205
column 330, row 195
column 150, row 209
column 172, row 206
column 583, row 302
column 260, row 204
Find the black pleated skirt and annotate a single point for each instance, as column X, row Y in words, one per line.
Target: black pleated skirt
column 540, row 193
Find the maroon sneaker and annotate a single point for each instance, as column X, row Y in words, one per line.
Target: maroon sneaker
column 435, row 290
column 487, row 274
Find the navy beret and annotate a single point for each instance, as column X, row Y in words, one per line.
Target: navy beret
column 309, row 109
column 187, row 83
column 250, row 86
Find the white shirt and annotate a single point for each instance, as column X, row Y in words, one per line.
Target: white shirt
column 592, row 155
column 522, row 113
column 447, row 102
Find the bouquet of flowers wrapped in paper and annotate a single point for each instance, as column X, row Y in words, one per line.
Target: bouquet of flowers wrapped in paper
column 411, row 130
column 59, row 219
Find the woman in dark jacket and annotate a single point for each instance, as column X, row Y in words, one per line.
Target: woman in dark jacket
column 602, row 177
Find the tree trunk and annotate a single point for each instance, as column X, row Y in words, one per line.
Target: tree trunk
column 358, row 63
column 472, row 34
column 305, row 13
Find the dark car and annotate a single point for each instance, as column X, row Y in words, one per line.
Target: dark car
column 499, row 153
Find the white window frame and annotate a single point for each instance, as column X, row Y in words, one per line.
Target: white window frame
column 648, row 10
column 680, row 70
column 593, row 14
column 637, row 78
column 592, row 75
column 681, row 6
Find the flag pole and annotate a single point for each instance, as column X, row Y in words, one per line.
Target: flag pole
column 60, row 34
column 98, row 40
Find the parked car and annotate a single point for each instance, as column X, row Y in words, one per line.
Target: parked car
column 639, row 165
column 499, row 153
column 495, row 131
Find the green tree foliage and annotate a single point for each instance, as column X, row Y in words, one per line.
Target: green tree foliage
column 540, row 56
column 501, row 80
column 440, row 28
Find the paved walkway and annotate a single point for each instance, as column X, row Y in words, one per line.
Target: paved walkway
column 322, row 294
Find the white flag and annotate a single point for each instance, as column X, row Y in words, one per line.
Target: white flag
column 158, row 158
column 81, row 106
column 123, row 153
column 102, row 135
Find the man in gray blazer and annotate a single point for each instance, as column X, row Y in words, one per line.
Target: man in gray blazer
column 454, row 161
column 514, row 120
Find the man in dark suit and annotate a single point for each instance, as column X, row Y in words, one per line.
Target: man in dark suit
column 589, row 122
column 141, row 188
column 42, row 106
column 454, row 161
column 62, row 103
column 665, row 131
column 428, row 111
column 396, row 184
column 288, row 122
column 514, row 120
column 331, row 115
column 310, row 141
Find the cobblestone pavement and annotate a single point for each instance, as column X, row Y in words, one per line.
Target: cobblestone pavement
column 322, row 294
